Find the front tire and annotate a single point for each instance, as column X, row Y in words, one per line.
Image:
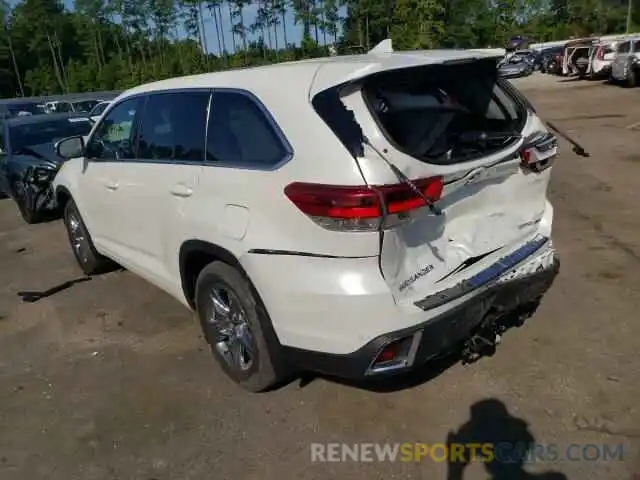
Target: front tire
column 26, row 211
column 236, row 327
column 85, row 253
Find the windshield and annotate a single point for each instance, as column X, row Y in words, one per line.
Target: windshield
column 84, row 106
column 21, row 136
column 16, row 108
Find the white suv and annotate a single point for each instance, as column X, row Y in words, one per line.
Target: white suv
column 355, row 216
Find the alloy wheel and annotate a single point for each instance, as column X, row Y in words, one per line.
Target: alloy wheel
column 229, row 329
column 78, row 238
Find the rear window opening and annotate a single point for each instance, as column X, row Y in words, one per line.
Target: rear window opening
column 581, row 52
column 446, row 114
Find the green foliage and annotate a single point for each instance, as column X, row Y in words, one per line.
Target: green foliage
column 417, row 24
column 117, row 44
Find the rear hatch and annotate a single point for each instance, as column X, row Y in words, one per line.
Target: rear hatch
column 465, row 138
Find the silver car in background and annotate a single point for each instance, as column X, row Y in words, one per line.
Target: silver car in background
column 627, row 63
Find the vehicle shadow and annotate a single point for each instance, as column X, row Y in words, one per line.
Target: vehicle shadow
column 502, row 442
column 570, row 79
column 429, row 371
column 29, row 296
column 34, row 296
column 47, row 217
column 392, row 383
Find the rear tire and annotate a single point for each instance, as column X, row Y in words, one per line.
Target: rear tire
column 85, row 253
column 237, row 328
column 631, row 77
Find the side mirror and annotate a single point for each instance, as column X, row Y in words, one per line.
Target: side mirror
column 71, row 147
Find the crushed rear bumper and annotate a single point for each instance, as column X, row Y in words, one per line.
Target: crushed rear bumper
column 442, row 333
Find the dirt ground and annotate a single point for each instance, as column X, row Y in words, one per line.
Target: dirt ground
column 110, row 379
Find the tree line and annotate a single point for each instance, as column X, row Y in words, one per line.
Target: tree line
column 115, row 44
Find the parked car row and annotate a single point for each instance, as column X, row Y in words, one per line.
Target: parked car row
column 71, row 103
column 615, row 59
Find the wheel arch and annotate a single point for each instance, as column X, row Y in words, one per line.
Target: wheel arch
column 62, row 196
column 194, row 256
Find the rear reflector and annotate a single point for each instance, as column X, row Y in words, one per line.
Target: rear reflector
column 361, row 208
column 397, row 355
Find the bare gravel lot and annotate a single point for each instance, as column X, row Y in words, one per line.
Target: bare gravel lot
column 110, row 379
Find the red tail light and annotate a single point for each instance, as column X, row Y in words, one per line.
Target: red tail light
column 600, row 53
column 361, row 208
column 539, row 153
column 525, row 156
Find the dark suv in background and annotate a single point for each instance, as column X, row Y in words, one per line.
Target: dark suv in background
column 551, row 60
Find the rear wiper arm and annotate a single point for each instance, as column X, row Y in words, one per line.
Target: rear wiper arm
column 482, row 136
column 403, row 178
column 577, row 148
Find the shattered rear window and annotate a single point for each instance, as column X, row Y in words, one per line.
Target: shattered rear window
column 433, row 113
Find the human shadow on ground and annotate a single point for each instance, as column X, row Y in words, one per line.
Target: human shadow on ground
column 502, row 442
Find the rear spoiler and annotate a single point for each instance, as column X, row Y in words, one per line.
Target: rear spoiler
column 386, row 46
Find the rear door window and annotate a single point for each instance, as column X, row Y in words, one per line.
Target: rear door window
column 624, row 47
column 437, row 113
column 173, row 125
column 636, row 46
column 242, row 133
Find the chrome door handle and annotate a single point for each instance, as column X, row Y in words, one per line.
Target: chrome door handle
column 181, row 191
column 112, row 185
